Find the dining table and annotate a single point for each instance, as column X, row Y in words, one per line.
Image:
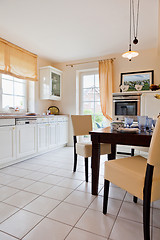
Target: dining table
column 113, row 137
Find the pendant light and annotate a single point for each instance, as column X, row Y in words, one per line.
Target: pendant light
column 131, row 54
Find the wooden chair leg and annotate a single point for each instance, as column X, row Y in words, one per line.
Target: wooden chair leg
column 147, row 201
column 75, row 154
column 135, row 199
column 105, row 199
column 86, row 169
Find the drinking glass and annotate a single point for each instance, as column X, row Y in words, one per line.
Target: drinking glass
column 142, row 123
column 128, row 121
column 150, row 122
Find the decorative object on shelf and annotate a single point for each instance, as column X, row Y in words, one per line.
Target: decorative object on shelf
column 53, row 110
column 154, row 87
column 142, row 78
column 131, row 54
column 124, row 88
column 157, row 96
column 138, row 87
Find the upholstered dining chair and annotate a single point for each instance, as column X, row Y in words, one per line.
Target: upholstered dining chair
column 138, row 176
column 82, row 125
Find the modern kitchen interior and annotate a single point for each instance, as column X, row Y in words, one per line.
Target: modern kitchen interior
column 80, row 120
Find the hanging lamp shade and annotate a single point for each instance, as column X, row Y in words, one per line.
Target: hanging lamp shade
column 130, row 54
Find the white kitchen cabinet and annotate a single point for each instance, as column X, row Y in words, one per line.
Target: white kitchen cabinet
column 42, row 137
column 52, row 135
column 62, row 131
column 50, row 83
column 7, row 144
column 26, row 140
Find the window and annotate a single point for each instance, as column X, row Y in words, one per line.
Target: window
column 16, row 93
column 13, row 92
column 90, row 98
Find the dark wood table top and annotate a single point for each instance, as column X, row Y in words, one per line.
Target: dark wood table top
column 106, row 135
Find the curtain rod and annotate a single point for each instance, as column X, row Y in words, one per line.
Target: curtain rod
column 71, row 65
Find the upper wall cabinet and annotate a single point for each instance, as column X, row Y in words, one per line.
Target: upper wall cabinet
column 50, row 83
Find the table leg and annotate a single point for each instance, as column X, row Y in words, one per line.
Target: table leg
column 113, row 152
column 95, row 164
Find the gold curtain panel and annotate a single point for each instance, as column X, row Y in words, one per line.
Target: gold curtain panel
column 17, row 61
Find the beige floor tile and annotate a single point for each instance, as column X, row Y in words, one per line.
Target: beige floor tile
column 21, row 183
column 155, row 233
column 69, row 183
column 156, row 204
column 20, row 223
column 80, row 198
column 70, row 174
column 6, row 192
column 116, row 193
column 51, row 179
column 96, row 222
column 38, row 187
column 156, row 217
column 58, row 193
column 5, row 179
column 87, row 187
column 42, row 205
column 78, row 234
column 48, row 229
column 16, row 171
column 67, row 213
column 131, row 211
column 125, row 229
column 129, row 198
column 20, row 199
column 28, row 166
column 4, row 236
column 6, row 211
column 113, row 205
column 47, row 169
column 36, row 176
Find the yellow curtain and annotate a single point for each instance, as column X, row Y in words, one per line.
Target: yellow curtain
column 106, row 87
column 17, row 61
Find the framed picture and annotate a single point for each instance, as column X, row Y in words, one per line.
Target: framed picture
column 137, row 81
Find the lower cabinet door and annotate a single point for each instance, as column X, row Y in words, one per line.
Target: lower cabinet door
column 52, row 130
column 42, row 137
column 7, row 144
column 26, row 140
column 63, row 133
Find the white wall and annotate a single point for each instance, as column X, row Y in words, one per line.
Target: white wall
column 147, row 60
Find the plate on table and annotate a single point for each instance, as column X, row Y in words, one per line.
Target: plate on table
column 128, row 130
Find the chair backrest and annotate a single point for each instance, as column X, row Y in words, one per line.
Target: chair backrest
column 82, row 124
column 154, row 150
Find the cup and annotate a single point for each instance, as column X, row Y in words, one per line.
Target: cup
column 142, row 123
column 128, row 121
column 149, row 124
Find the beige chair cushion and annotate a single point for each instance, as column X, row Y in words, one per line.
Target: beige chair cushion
column 85, row 149
column 82, row 124
column 129, row 174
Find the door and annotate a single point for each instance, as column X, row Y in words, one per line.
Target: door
column 7, row 144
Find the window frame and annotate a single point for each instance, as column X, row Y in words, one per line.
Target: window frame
column 26, row 96
column 81, row 75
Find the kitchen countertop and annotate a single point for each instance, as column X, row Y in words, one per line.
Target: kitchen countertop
column 15, row 116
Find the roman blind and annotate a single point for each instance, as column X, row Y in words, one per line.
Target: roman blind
column 17, row 61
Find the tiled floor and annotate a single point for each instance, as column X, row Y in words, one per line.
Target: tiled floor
column 42, row 199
